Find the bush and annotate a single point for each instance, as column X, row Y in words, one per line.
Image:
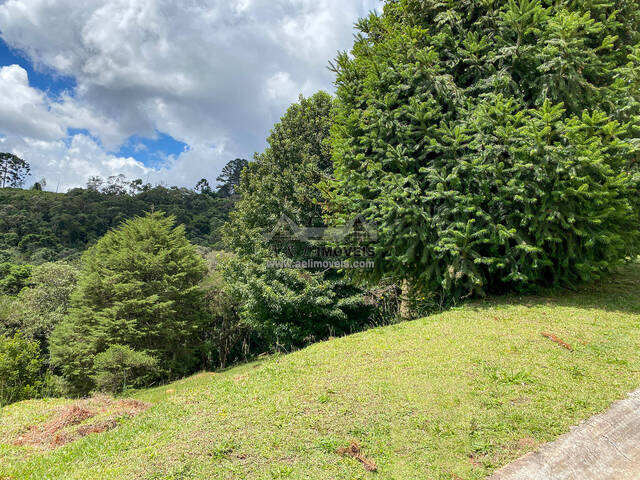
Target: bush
column 20, row 369
column 139, row 287
column 120, row 367
column 494, row 144
column 285, row 308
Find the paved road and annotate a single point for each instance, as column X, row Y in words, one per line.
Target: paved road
column 605, row 447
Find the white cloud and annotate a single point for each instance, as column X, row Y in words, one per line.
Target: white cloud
column 215, row 74
column 69, row 163
column 23, row 110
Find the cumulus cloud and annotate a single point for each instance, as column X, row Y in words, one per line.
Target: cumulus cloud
column 215, row 74
column 70, row 162
column 24, row 111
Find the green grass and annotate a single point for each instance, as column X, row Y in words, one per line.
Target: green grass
column 455, row 395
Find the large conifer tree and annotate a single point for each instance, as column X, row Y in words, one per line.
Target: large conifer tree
column 138, row 288
column 494, row 142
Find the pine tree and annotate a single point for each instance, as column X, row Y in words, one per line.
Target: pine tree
column 229, row 178
column 493, row 143
column 13, row 170
column 139, row 289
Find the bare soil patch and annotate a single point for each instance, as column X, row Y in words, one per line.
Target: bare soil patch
column 71, row 422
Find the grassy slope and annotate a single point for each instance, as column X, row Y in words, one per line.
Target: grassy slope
column 455, row 395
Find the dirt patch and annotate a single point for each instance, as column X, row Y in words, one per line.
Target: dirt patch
column 554, row 338
column 354, row 451
column 70, row 423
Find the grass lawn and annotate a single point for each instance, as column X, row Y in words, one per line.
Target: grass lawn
column 452, row 396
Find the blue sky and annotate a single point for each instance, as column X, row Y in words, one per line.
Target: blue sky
column 158, row 89
column 152, row 152
column 53, row 84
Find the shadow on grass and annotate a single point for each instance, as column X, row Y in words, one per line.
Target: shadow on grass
column 616, row 292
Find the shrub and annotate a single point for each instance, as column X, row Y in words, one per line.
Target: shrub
column 285, row 308
column 20, row 369
column 120, row 367
column 493, row 143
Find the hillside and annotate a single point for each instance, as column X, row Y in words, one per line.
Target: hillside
column 37, row 226
column 452, row 396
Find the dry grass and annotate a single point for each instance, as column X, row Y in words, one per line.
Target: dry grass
column 60, row 430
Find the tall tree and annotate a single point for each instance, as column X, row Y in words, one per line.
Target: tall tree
column 13, row 170
column 138, row 288
column 287, row 307
column 229, row 178
column 283, row 180
column 493, row 143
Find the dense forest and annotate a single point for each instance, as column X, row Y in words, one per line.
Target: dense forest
column 38, row 226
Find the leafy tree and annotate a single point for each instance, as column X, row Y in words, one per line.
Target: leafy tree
column 13, row 170
column 203, row 186
column 47, row 301
column 20, row 369
column 288, row 308
column 39, row 185
column 138, row 288
column 229, row 178
column 120, row 367
column 13, row 278
column 285, row 308
column 283, row 179
column 493, row 143
column 95, row 183
column 116, row 185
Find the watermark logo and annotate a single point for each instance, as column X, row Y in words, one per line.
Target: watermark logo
column 356, row 230
column 346, row 247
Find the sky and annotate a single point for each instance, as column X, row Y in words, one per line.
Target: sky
column 163, row 90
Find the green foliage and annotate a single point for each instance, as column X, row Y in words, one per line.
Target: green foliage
column 120, row 367
column 40, row 227
column 283, row 179
column 226, row 334
column 288, row 308
column 229, row 178
column 13, row 278
column 20, row 369
column 13, row 170
column 46, row 301
column 138, row 288
column 493, row 143
column 285, row 308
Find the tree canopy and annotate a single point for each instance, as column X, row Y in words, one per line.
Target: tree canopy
column 494, row 143
column 138, row 288
column 13, row 170
column 45, row 226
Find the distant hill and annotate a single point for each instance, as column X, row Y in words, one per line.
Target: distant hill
column 37, row 226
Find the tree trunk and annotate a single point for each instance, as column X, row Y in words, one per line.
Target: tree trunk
column 405, row 301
